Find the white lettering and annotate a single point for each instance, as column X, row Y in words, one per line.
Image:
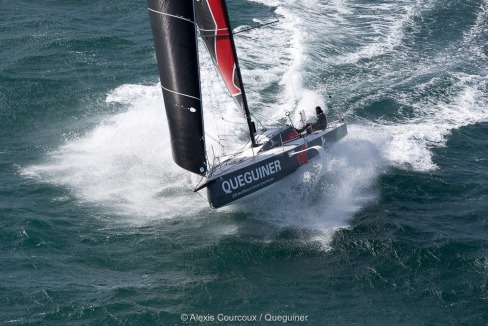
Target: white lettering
column 234, row 318
column 255, row 177
column 226, row 187
column 271, row 168
column 248, row 178
column 241, row 180
column 232, row 184
column 277, row 165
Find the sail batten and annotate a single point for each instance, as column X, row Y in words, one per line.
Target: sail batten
column 169, row 15
column 169, row 90
column 215, row 30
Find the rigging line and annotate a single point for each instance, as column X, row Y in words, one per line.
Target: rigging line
column 234, row 143
column 211, row 94
column 224, row 136
column 218, row 141
column 259, row 26
column 214, row 157
column 173, row 16
column 217, row 114
column 220, row 80
column 258, row 121
column 200, row 182
column 261, row 116
column 237, row 123
column 230, row 135
column 199, row 194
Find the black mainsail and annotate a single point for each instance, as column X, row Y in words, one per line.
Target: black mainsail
column 174, row 33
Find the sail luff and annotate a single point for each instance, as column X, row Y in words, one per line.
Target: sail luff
column 174, row 33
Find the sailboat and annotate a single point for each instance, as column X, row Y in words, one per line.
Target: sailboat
column 271, row 154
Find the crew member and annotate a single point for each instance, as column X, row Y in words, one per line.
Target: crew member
column 320, row 124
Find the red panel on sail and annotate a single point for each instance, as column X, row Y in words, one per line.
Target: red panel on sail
column 223, row 47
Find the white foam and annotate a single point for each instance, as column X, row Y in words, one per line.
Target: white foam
column 275, row 55
column 381, row 28
column 410, row 143
column 477, row 33
column 326, row 204
column 370, row 30
column 125, row 163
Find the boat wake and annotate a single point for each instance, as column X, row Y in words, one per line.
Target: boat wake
column 124, row 165
column 322, row 196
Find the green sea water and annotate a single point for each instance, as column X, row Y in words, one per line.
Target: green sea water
column 98, row 226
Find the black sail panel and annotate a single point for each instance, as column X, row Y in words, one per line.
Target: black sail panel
column 174, row 33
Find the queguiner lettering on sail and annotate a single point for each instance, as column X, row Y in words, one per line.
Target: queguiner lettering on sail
column 272, row 153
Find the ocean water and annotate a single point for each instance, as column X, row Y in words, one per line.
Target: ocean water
column 99, row 227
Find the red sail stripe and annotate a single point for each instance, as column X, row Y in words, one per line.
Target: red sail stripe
column 223, row 47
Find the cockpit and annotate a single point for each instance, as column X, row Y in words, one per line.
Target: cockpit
column 277, row 137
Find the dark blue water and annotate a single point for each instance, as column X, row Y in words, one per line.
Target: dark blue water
column 99, row 227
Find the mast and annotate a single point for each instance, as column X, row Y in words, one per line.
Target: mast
column 247, row 113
